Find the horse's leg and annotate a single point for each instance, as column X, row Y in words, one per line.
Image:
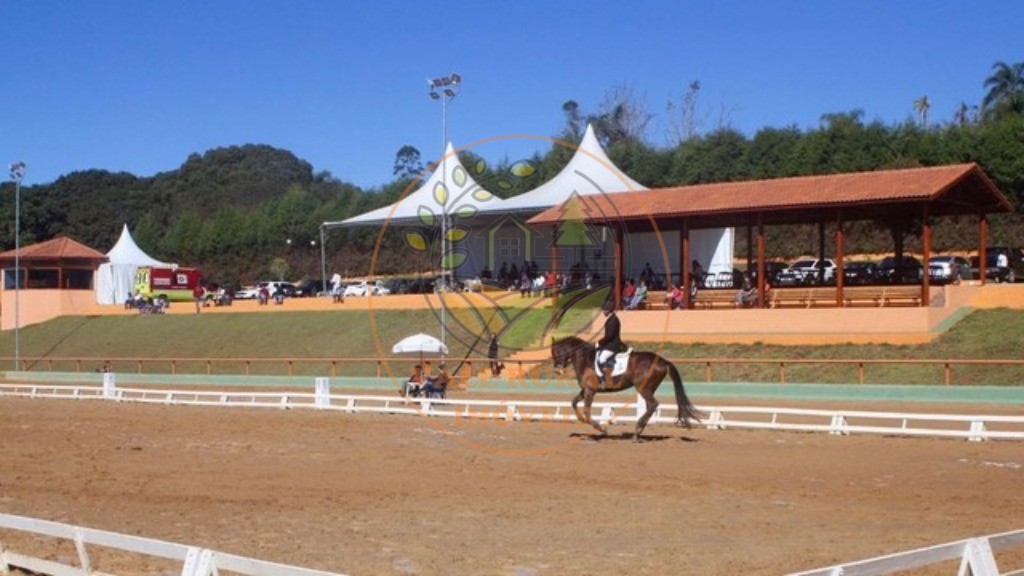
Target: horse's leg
column 576, row 406
column 588, row 399
column 647, row 393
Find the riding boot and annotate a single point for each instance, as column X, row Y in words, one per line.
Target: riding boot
column 607, row 382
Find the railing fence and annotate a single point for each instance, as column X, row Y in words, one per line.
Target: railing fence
column 976, row 555
column 194, row 561
column 972, row 427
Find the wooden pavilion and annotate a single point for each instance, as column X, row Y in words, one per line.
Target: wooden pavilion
column 921, row 194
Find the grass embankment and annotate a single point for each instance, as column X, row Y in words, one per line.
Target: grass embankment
column 984, row 334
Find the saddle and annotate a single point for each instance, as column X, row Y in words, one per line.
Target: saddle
column 621, row 361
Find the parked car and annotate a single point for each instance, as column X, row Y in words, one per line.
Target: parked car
column 909, row 272
column 772, row 269
column 247, row 293
column 808, row 271
column 860, row 273
column 253, row 292
column 362, row 288
column 310, row 287
column 949, row 269
column 1013, row 271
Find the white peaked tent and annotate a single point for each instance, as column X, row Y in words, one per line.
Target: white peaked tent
column 589, row 172
column 115, row 279
column 464, row 196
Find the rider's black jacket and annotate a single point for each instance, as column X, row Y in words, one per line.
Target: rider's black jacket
column 611, row 340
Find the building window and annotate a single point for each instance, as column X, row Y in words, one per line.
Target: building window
column 508, row 247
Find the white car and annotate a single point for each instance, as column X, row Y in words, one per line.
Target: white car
column 363, row 287
column 807, row 271
column 253, row 292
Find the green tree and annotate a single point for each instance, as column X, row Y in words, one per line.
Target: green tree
column 1005, row 89
column 922, row 106
column 408, row 163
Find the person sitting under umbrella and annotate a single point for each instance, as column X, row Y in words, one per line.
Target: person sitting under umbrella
column 414, row 386
column 436, row 386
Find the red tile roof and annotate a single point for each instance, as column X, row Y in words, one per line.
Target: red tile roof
column 953, row 189
column 60, row 248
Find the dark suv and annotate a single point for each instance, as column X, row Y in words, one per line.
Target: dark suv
column 1012, row 260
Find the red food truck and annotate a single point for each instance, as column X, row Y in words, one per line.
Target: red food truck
column 173, row 284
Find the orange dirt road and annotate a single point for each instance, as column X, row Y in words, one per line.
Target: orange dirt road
column 365, row 494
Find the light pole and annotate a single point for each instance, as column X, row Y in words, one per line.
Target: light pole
column 323, row 260
column 17, row 173
column 445, row 89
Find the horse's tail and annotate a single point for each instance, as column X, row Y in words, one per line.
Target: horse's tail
column 687, row 411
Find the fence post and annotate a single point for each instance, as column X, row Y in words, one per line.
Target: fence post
column 782, row 372
column 323, row 393
column 860, row 372
column 707, row 372
column 109, row 385
column 948, row 374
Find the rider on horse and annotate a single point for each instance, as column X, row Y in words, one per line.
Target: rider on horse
column 610, row 344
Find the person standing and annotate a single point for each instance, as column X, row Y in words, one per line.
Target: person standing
column 492, row 355
column 197, row 294
column 610, row 344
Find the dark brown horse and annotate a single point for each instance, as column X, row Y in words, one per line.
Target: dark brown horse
column 645, row 372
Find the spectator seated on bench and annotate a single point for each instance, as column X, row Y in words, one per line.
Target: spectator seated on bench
column 747, row 295
column 639, row 297
column 413, row 387
column 628, row 292
column 674, row 298
column 436, row 387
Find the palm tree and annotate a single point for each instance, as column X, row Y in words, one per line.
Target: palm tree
column 922, row 106
column 1005, row 88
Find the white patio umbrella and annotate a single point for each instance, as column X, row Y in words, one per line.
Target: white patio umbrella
column 419, row 343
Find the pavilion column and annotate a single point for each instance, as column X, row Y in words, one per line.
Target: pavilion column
column 750, row 246
column 554, row 273
column 840, row 255
column 619, row 253
column 761, row 268
column 686, row 273
column 982, row 246
column 821, row 250
column 926, row 254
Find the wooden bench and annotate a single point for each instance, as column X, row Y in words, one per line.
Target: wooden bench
column 654, row 301
column 883, row 295
column 806, row 297
column 712, row 298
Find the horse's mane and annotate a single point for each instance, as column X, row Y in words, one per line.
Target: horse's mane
column 573, row 343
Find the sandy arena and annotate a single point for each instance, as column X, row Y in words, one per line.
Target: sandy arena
column 406, row 495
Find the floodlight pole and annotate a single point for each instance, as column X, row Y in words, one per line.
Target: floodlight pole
column 323, row 260
column 444, row 89
column 17, row 173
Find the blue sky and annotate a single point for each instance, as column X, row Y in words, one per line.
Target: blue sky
column 136, row 86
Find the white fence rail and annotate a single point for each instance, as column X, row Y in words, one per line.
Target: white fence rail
column 838, row 422
column 976, row 556
column 194, row 561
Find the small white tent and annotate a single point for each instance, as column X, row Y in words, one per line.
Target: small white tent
column 115, row 279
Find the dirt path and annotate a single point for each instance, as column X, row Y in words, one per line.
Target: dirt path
column 399, row 495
